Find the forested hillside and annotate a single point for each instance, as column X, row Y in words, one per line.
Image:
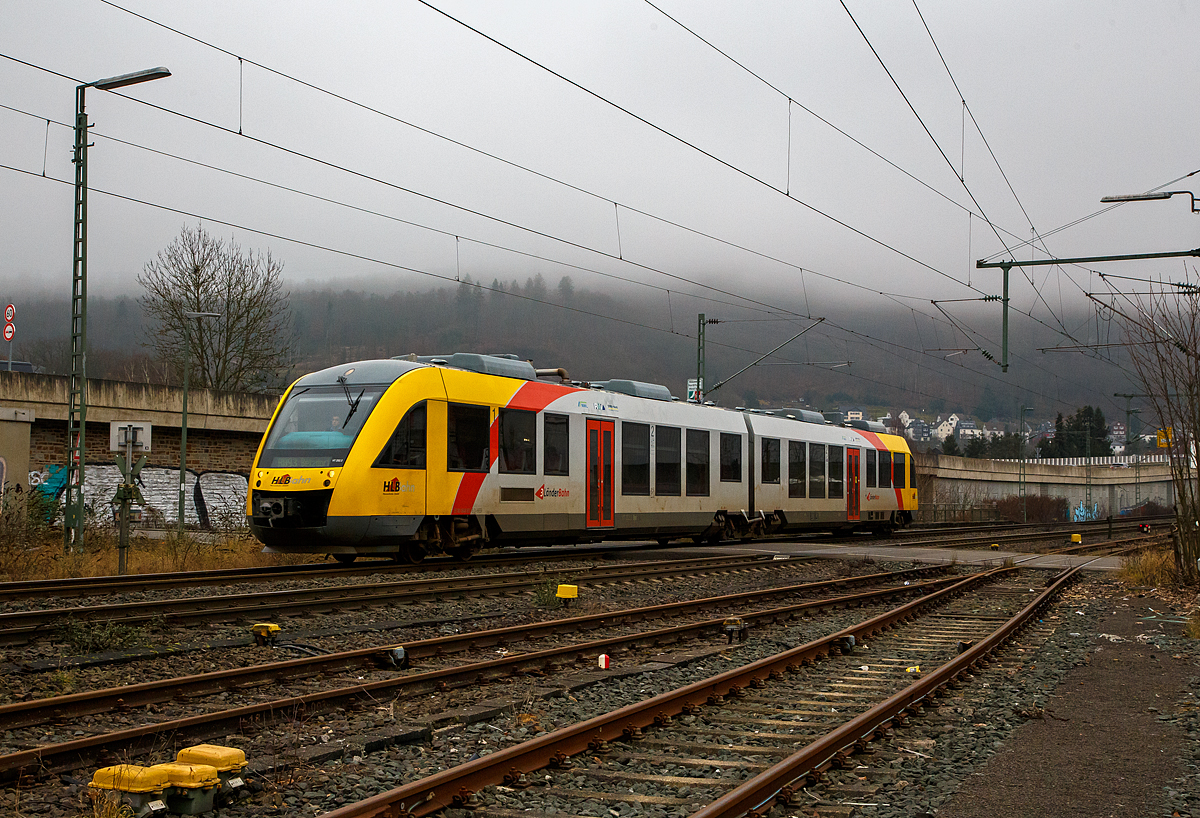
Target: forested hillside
column 878, row 362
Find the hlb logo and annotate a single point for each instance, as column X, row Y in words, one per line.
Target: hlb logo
column 394, row 486
column 281, row 480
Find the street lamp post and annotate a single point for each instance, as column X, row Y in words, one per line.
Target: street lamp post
column 187, row 357
column 77, row 412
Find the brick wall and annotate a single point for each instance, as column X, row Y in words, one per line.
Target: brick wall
column 208, row 449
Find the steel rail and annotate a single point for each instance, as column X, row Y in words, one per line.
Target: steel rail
column 967, row 542
column 80, row 752
column 95, row 586
column 16, row 626
column 786, row 778
column 454, row 787
column 93, row 702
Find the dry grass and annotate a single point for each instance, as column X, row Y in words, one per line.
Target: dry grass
column 192, row 552
column 107, row 804
column 1150, row 568
column 31, row 547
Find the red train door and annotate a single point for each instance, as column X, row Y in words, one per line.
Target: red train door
column 853, row 494
column 600, row 443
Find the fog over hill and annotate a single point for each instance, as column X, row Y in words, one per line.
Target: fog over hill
column 910, row 359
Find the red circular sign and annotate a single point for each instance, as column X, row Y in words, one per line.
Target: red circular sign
column 9, row 331
column 10, row 312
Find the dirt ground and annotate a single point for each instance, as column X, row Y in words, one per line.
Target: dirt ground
column 1101, row 750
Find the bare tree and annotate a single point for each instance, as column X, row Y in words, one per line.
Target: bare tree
column 250, row 346
column 1162, row 329
column 52, row 355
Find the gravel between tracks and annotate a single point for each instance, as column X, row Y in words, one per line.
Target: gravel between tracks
column 1084, row 726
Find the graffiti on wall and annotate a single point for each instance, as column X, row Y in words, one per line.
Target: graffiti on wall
column 1083, row 514
column 211, row 499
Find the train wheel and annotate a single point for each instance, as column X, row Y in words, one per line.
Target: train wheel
column 345, row 559
column 411, row 553
column 462, row 553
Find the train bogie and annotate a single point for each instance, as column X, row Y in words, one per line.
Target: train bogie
column 405, row 457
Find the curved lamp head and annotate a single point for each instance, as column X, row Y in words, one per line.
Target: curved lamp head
column 1150, row 197
column 121, row 81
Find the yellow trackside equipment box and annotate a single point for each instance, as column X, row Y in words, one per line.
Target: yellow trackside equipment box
column 193, row 787
column 228, row 761
column 140, row 788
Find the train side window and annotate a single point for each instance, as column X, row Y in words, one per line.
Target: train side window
column 912, row 472
column 770, row 460
column 467, row 431
column 836, row 456
column 518, row 441
column 885, row 470
column 635, row 458
column 697, row 463
column 898, row 470
column 797, row 468
column 667, row 460
column 816, row 471
column 406, row 447
column 872, row 480
column 557, row 441
column 731, row 458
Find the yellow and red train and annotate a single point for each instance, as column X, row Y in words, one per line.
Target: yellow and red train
column 404, row 457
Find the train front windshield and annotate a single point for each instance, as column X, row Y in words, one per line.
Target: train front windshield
column 317, row 426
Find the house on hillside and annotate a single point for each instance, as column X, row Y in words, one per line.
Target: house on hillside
column 918, row 430
column 945, row 428
column 968, row 429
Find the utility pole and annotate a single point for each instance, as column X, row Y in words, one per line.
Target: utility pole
column 127, row 490
column 1137, row 460
column 1008, row 264
column 701, row 323
column 1021, row 456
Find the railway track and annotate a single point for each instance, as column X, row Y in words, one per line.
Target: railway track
column 454, row 673
column 21, row 627
column 1057, row 535
column 99, row 586
column 736, row 743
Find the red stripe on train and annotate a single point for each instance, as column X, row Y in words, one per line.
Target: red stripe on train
column 532, row 396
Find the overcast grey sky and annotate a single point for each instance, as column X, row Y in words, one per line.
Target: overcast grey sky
column 643, row 138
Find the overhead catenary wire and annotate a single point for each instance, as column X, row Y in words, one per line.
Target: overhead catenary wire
column 519, row 166
column 882, row 344
column 995, row 159
column 269, row 144
column 801, row 269
column 960, row 174
column 449, row 279
column 883, row 347
column 692, row 146
column 346, row 99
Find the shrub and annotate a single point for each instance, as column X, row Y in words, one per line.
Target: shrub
column 1037, row 508
column 1150, row 568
